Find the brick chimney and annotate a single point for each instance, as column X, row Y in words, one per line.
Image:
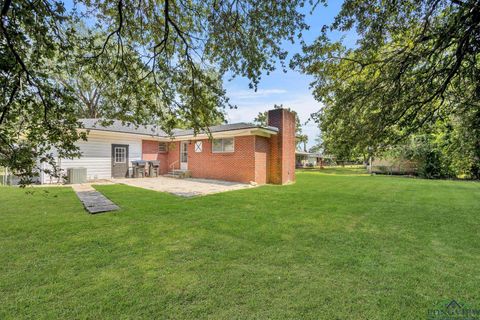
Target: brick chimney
column 282, row 150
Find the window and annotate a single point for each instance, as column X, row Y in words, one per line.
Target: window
column 162, row 147
column 120, row 154
column 223, row 145
column 198, row 146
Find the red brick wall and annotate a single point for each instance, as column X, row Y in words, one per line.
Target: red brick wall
column 238, row 166
column 282, row 149
column 259, row 159
column 174, row 155
column 150, row 152
column 230, row 166
column 262, row 158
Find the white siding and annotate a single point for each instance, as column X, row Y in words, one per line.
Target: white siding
column 97, row 154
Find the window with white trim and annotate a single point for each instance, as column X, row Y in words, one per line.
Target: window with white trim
column 162, row 147
column 223, row 145
column 120, row 154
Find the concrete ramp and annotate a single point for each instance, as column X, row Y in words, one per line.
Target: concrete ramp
column 93, row 201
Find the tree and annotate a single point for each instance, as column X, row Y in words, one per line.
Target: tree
column 176, row 50
column 463, row 144
column 301, row 139
column 318, row 147
column 262, row 118
column 89, row 84
column 415, row 62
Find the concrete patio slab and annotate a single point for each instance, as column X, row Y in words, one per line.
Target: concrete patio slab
column 183, row 187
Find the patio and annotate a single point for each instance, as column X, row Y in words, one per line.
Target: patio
column 183, row 187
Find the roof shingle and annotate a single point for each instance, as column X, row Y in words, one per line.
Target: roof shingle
column 153, row 130
column 118, row 126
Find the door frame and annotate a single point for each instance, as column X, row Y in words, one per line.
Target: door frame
column 184, row 164
column 126, row 146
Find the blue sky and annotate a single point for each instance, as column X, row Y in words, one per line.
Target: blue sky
column 290, row 89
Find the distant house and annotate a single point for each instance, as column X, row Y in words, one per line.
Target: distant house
column 240, row 152
column 308, row 159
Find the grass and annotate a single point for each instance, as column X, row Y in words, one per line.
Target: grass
column 336, row 245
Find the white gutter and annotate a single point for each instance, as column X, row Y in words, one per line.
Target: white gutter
column 222, row 134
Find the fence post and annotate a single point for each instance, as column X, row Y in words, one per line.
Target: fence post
column 5, row 176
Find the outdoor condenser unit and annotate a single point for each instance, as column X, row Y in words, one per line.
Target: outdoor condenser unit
column 76, row 175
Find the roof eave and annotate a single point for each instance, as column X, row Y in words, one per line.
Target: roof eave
column 123, row 132
column 256, row 131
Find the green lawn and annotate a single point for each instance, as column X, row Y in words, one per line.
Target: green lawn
column 338, row 244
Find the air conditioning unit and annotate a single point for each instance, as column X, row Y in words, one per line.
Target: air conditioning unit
column 76, row 175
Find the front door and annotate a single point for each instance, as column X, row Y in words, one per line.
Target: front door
column 119, row 160
column 184, row 155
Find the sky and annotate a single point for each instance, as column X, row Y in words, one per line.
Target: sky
column 290, row 89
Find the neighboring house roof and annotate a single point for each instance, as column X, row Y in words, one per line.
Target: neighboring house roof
column 153, row 130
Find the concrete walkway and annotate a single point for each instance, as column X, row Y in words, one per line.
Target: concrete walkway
column 93, row 201
column 183, row 187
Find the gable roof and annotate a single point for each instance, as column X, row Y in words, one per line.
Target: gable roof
column 154, row 130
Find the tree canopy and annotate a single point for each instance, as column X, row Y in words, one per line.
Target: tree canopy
column 300, row 138
column 415, row 63
column 161, row 60
column 414, row 69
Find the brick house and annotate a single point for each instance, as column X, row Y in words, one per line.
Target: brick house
column 240, row 152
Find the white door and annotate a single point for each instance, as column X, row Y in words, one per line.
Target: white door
column 184, row 155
